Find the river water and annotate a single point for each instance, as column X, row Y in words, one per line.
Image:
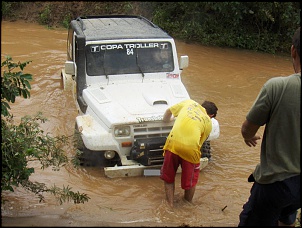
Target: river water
column 230, row 78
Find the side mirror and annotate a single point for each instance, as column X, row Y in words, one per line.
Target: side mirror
column 69, row 67
column 183, row 62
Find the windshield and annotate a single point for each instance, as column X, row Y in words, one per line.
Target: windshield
column 129, row 58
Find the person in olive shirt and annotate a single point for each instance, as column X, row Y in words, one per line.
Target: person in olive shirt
column 191, row 128
column 275, row 194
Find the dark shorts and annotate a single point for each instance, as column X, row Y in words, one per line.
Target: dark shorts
column 270, row 203
column 189, row 174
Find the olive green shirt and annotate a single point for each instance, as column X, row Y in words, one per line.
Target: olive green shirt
column 278, row 106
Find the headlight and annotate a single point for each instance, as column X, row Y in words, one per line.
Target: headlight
column 122, row 131
column 109, row 154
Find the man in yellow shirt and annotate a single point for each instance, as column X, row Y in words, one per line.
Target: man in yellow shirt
column 191, row 128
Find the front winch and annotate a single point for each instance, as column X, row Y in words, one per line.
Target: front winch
column 148, row 151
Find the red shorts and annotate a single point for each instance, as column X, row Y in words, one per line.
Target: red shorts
column 189, row 174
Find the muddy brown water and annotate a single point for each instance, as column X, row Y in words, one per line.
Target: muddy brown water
column 231, row 78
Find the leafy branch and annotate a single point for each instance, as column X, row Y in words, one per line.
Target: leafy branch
column 27, row 142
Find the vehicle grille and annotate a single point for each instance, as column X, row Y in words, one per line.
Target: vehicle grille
column 151, row 132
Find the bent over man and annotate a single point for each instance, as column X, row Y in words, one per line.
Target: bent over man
column 191, row 128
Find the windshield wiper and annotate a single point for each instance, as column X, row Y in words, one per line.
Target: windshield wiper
column 104, row 68
column 139, row 65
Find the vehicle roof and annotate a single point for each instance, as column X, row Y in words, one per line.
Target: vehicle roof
column 117, row 27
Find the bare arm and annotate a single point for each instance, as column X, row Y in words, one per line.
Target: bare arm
column 167, row 116
column 248, row 131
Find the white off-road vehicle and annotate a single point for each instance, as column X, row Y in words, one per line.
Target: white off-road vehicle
column 124, row 73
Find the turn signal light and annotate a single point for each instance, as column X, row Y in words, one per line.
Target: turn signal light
column 126, row 144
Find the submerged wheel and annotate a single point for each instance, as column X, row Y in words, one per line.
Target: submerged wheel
column 89, row 157
column 206, row 150
column 86, row 157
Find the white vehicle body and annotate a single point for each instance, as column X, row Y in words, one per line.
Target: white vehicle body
column 124, row 73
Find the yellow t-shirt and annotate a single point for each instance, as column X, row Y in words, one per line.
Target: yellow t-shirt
column 191, row 128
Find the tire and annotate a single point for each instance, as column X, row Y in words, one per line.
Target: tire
column 90, row 158
column 85, row 156
column 206, row 150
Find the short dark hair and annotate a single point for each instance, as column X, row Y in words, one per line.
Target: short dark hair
column 210, row 107
column 296, row 41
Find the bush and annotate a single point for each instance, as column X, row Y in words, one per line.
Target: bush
column 27, row 142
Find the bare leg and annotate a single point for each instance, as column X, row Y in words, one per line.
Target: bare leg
column 169, row 189
column 189, row 194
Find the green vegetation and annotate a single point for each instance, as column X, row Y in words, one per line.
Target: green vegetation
column 45, row 16
column 26, row 142
column 258, row 26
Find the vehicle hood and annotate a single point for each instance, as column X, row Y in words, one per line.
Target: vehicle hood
column 131, row 103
